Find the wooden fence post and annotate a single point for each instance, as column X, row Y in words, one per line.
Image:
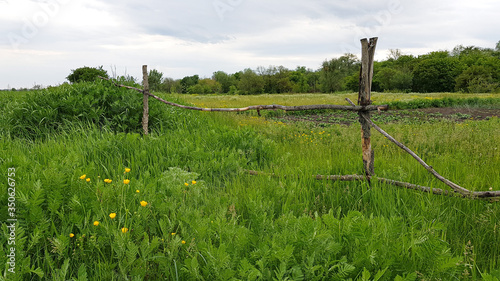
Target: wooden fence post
column 365, row 85
column 145, row 112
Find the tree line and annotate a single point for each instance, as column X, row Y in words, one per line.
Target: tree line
column 464, row 69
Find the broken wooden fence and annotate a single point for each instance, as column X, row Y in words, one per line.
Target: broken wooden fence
column 363, row 108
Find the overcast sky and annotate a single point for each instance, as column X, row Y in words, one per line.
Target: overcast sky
column 41, row 41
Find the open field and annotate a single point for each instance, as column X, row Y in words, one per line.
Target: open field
column 187, row 210
column 304, row 99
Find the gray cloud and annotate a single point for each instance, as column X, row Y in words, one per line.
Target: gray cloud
column 199, row 37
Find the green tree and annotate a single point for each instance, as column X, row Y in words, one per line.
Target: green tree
column 299, row 79
column 313, row 78
column 276, row 79
column 436, row 74
column 155, row 79
column 402, row 80
column 394, row 78
column 205, row 86
column 476, row 79
column 250, row 82
column 225, row 80
column 170, row 85
column 334, row 72
column 86, row 74
column 189, row 81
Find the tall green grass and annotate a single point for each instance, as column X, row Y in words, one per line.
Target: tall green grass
column 205, row 218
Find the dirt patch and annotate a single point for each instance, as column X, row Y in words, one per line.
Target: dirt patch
column 453, row 113
column 414, row 115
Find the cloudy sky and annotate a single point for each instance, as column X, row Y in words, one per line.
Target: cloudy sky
column 41, row 41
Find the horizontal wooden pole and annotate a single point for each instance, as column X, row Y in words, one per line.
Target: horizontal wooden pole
column 264, row 107
column 437, row 191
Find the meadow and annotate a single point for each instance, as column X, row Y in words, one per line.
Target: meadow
column 97, row 200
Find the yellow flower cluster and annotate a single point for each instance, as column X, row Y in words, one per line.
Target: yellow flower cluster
column 107, row 180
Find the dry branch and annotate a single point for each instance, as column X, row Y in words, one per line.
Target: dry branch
column 265, row 107
column 457, row 188
column 462, row 191
column 429, row 168
column 437, row 191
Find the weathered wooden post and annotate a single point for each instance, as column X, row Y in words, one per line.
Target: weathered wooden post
column 145, row 112
column 365, row 85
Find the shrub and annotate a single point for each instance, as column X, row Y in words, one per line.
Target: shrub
column 86, row 74
column 52, row 110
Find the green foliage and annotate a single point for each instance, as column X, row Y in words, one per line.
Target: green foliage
column 394, row 79
column 335, row 71
column 445, row 102
column 225, row 80
column 205, row 86
column 276, row 79
column 86, row 74
column 250, row 83
column 188, row 81
column 155, row 80
column 436, row 75
column 476, row 79
column 464, row 69
column 58, row 109
column 170, row 85
column 202, row 217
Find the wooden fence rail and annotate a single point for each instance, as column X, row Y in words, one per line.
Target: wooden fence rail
column 363, row 108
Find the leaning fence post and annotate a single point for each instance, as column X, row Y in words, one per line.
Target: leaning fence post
column 365, row 85
column 145, row 112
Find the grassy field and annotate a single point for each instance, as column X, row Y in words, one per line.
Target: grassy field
column 305, row 99
column 94, row 203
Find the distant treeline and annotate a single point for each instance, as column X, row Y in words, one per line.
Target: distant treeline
column 464, row 69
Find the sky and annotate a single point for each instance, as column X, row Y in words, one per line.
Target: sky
column 42, row 41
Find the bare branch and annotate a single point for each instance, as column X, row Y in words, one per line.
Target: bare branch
column 263, row 107
column 453, row 185
column 437, row 191
column 123, row 86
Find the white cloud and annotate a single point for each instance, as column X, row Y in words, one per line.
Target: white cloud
column 190, row 37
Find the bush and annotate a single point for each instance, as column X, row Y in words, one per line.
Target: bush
column 54, row 109
column 86, row 74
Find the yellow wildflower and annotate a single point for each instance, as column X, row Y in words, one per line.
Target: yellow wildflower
column 144, row 203
column 183, row 242
column 88, row 179
column 112, row 215
column 137, row 190
column 173, row 233
column 71, row 235
column 193, row 182
column 127, row 170
column 96, row 223
column 186, row 184
column 126, row 181
column 83, row 177
column 124, row 230
column 107, row 180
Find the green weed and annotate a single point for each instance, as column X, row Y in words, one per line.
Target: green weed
column 107, row 203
